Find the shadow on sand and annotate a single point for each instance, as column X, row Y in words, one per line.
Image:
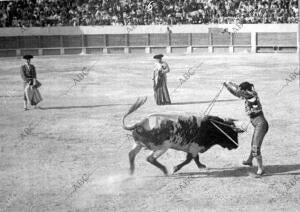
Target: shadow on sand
column 243, row 171
column 112, row 105
column 204, row 102
column 78, row 107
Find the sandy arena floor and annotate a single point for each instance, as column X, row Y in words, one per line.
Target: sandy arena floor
column 74, row 153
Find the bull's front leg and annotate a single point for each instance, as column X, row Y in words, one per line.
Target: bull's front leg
column 188, row 159
column 198, row 163
column 152, row 158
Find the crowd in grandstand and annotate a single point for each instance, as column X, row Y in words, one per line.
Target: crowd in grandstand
column 20, row 13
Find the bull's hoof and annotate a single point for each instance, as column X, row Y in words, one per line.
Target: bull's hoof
column 131, row 172
column 165, row 171
column 175, row 169
column 201, row 166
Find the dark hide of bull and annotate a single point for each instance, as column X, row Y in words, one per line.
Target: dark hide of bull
column 191, row 135
column 185, row 131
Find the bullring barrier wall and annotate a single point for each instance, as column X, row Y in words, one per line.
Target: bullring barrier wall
column 224, row 38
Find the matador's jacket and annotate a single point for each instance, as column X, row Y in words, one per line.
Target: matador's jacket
column 253, row 106
column 28, row 73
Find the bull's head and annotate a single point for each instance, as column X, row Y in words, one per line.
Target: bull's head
column 228, row 143
column 224, row 133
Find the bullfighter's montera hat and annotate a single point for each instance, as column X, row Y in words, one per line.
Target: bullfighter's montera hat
column 27, row 57
column 246, row 86
column 158, row 56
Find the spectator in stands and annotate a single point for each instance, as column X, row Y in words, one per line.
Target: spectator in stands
column 143, row 12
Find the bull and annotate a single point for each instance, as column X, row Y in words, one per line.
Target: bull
column 190, row 134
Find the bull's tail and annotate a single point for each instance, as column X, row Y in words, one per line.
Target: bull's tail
column 139, row 102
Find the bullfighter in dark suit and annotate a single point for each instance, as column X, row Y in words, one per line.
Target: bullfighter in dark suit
column 161, row 93
column 30, row 83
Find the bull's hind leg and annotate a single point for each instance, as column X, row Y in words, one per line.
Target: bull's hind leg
column 152, row 158
column 188, row 159
column 198, row 163
column 136, row 149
